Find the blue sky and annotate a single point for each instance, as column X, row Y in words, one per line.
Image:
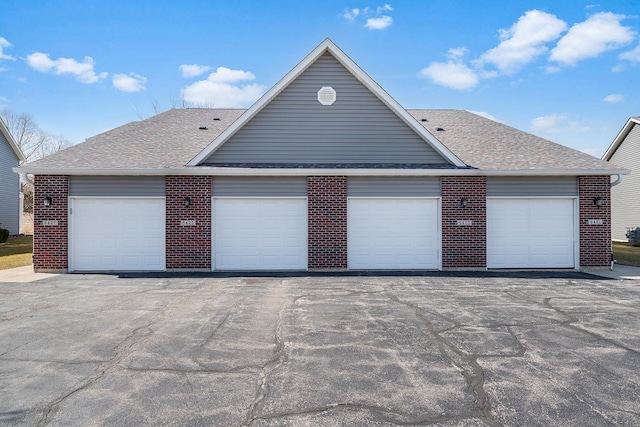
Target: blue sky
column 564, row 70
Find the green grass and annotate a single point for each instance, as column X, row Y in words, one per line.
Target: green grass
column 16, row 252
column 626, row 254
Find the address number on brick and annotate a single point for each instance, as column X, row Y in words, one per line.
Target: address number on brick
column 595, row 222
column 187, row 222
column 50, row 222
column 464, row 222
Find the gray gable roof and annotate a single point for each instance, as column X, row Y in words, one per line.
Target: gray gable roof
column 168, row 140
column 486, row 144
column 171, row 139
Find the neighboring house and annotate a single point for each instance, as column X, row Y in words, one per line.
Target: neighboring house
column 325, row 172
column 10, row 194
column 624, row 151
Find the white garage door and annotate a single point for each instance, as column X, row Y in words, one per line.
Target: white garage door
column 394, row 234
column 260, row 234
column 115, row 234
column 530, row 233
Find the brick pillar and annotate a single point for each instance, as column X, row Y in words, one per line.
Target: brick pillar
column 188, row 245
column 595, row 238
column 464, row 229
column 327, row 204
column 50, row 223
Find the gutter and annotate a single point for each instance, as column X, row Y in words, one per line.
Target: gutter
column 220, row 171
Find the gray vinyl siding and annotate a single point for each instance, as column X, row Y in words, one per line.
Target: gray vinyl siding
column 110, row 186
column 9, row 188
column 393, row 187
column 296, row 129
column 552, row 186
column 259, row 187
column 625, row 197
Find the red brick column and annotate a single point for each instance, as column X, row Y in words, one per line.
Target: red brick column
column 464, row 229
column 595, row 238
column 51, row 223
column 327, row 204
column 188, row 245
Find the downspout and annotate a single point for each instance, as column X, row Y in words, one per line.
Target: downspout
column 613, row 184
column 25, row 176
column 617, row 181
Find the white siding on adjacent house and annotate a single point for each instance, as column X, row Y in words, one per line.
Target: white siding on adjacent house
column 625, row 197
column 9, row 188
column 296, row 129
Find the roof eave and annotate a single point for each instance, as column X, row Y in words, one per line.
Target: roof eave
column 223, row 171
column 620, row 137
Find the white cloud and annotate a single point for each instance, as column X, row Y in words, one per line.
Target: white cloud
column 614, row 98
column 632, row 55
column 3, row 44
column 524, row 41
column 131, row 82
column 557, row 123
column 227, row 75
column 192, row 70
column 453, row 75
column 456, row 53
column 550, row 123
column 351, row 14
column 375, row 19
column 83, row 71
column 599, row 33
column 379, row 23
column 221, row 89
column 485, row 115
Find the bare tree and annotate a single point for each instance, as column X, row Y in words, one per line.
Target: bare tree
column 34, row 142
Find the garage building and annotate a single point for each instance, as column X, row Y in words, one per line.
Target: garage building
column 326, row 172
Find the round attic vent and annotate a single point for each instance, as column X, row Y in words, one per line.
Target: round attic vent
column 326, row 95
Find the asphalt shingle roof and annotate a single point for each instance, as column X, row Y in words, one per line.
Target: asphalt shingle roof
column 171, row 139
column 167, row 140
column 487, row 144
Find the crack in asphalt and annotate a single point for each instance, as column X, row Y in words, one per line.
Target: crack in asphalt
column 467, row 364
column 383, row 414
column 279, row 358
column 571, row 325
column 121, row 351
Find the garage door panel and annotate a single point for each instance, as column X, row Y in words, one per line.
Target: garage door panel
column 386, row 233
column 117, row 234
column 260, row 234
column 530, row 233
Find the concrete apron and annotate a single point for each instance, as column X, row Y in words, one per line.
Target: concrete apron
column 22, row 275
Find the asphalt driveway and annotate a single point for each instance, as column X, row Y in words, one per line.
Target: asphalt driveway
column 442, row 350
